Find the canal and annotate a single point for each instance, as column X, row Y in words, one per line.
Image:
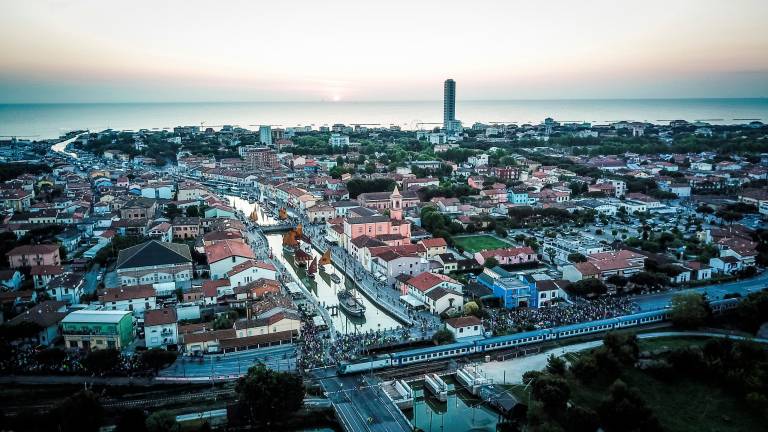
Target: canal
column 320, row 285
column 461, row 412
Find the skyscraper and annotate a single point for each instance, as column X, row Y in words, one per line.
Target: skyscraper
column 265, row 135
column 449, row 104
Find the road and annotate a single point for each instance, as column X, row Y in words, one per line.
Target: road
column 361, row 405
column 713, row 292
column 511, row 371
column 224, row 366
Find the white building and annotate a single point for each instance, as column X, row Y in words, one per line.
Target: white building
column 338, row 140
column 137, row 299
column 466, row 326
column 161, row 328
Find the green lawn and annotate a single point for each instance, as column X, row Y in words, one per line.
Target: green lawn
column 479, row 243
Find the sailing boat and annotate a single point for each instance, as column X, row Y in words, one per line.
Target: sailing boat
column 325, row 260
column 254, row 216
column 312, row 269
column 289, row 242
column 283, row 215
column 347, row 300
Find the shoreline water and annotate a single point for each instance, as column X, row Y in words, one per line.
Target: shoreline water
column 45, row 121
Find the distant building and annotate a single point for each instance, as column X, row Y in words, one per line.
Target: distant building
column 338, row 140
column 449, row 105
column 265, row 135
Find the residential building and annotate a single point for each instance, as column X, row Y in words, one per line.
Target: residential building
column 224, row 256
column 47, row 316
column 98, row 329
column 34, row 255
column 161, row 328
column 466, row 326
column 154, row 262
column 66, row 287
column 136, row 299
column 508, row 256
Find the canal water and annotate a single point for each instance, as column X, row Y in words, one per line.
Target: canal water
column 461, row 412
column 320, row 285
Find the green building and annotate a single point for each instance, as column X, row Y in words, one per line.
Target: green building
column 97, row 329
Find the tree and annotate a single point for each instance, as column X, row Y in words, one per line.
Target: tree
column 619, row 281
column 577, row 257
column 581, row 419
column 172, row 211
column 551, row 253
column 101, row 361
column 157, row 358
column 490, row 262
column 624, row 410
column 443, row 336
column 268, row 395
column 471, row 308
column 588, row 288
column 552, row 391
column 584, row 368
column 162, row 421
column 689, row 310
column 555, row 365
column 623, row 346
column 81, row 412
column 132, row 420
column 192, row 211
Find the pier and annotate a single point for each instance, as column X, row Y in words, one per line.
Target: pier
column 437, row 386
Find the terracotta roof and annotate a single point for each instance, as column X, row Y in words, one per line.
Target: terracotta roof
column 227, row 248
column 33, row 249
column 126, row 293
column 465, row 321
column 434, row 242
column 46, row 270
column 257, row 339
column 507, row 252
column 210, row 287
column 424, row 281
column 155, row 317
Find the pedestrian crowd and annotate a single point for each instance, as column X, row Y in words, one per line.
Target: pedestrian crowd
column 55, row 361
column 522, row 319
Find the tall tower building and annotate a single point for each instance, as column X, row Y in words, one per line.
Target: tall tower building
column 265, row 135
column 449, row 104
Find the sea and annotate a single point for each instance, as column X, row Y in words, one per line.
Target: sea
column 44, row 121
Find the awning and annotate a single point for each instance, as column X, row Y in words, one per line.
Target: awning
column 412, row 301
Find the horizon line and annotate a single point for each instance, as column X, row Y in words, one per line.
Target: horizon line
column 331, row 102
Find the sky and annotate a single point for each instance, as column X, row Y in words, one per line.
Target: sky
column 55, row 51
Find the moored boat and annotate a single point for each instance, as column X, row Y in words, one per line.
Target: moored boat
column 350, row 304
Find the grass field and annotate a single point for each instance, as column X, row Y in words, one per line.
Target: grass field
column 479, row 243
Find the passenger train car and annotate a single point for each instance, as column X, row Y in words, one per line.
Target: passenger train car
column 458, row 349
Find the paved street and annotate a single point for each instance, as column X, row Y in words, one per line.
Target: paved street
column 511, row 371
column 362, row 406
column 714, row 292
column 281, row 358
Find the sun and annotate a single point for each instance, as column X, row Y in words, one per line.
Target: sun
column 336, row 98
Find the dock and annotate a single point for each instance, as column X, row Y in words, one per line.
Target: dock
column 399, row 392
column 472, row 379
column 437, row 386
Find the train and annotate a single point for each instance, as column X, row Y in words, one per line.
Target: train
column 457, row 349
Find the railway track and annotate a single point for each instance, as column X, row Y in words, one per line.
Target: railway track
column 113, row 403
column 450, row 365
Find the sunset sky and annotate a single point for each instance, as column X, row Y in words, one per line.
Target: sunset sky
column 290, row 50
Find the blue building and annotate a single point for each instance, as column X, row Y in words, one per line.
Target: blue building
column 513, row 291
column 517, row 196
